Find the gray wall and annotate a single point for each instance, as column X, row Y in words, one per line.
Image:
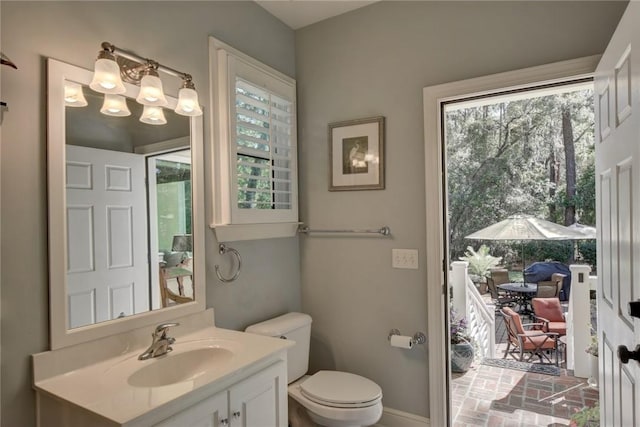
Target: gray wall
column 174, row 33
column 375, row 61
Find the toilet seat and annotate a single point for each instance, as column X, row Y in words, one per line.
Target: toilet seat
column 341, row 390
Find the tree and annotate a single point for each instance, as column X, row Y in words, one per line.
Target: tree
column 512, row 157
column 570, row 165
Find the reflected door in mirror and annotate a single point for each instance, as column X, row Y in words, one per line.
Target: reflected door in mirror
column 107, row 274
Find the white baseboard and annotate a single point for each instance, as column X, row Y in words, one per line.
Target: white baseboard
column 394, row 418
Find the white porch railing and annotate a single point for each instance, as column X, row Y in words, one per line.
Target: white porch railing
column 467, row 300
column 579, row 320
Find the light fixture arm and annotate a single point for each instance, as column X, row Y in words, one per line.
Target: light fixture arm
column 144, row 62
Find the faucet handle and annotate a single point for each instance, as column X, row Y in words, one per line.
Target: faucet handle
column 162, row 328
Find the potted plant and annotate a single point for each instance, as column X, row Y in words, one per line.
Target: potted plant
column 480, row 265
column 586, row 417
column 461, row 348
column 592, row 351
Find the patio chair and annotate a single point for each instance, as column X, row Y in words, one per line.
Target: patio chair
column 559, row 279
column 547, row 289
column 548, row 311
column 500, row 297
column 550, row 288
column 533, row 342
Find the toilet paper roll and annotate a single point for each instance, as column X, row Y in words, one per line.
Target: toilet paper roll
column 401, row 341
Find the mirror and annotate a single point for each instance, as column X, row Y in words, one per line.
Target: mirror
column 125, row 211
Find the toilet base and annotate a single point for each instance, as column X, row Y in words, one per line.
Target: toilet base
column 298, row 415
column 308, row 414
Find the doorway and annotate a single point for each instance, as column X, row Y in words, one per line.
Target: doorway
column 435, row 98
column 513, row 161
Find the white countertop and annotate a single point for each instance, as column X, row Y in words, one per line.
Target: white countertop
column 103, row 389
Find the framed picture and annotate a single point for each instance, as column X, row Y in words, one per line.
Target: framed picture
column 356, row 154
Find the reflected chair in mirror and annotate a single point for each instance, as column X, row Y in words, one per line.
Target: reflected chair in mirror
column 175, row 275
column 548, row 312
column 501, row 298
column 528, row 339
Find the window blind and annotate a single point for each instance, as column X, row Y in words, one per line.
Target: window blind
column 263, row 144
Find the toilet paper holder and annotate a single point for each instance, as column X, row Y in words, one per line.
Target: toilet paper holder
column 418, row 337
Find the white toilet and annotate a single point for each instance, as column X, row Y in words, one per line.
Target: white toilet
column 331, row 398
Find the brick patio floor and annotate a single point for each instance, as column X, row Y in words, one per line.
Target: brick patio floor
column 496, row 397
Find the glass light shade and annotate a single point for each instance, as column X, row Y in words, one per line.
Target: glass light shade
column 73, row 95
column 151, row 92
column 106, row 77
column 188, row 104
column 115, row 105
column 153, row 115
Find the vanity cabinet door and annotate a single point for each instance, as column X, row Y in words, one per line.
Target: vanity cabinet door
column 211, row 412
column 260, row 400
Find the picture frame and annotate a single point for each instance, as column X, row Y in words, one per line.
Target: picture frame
column 356, row 154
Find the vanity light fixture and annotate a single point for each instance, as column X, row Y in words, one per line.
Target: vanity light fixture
column 188, row 104
column 115, row 65
column 115, row 105
column 151, row 92
column 153, row 115
column 106, row 73
column 73, row 95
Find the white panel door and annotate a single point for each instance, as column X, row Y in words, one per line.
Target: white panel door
column 617, row 104
column 107, row 262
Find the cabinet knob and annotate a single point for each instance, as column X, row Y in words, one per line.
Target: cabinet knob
column 236, row 415
column 224, row 422
column 624, row 354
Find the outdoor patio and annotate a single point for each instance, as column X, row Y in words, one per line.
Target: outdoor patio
column 500, row 397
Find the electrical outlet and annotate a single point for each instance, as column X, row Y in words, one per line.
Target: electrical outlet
column 404, row 258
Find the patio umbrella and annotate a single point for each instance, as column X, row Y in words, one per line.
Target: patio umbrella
column 588, row 232
column 524, row 228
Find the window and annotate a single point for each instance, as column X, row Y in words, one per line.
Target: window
column 263, row 148
column 255, row 156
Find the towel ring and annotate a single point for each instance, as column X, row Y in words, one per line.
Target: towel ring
column 223, row 249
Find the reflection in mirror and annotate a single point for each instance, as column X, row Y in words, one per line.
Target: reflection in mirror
column 129, row 210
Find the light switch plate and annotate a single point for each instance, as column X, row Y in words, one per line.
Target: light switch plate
column 404, row 258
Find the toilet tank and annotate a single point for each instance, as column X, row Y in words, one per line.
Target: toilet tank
column 295, row 327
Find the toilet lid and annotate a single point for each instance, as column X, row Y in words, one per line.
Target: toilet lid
column 341, row 389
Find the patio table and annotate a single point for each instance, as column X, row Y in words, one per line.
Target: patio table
column 523, row 292
column 519, row 287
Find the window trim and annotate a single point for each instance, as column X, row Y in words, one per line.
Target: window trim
column 230, row 222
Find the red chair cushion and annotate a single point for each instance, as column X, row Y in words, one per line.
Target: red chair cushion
column 536, row 341
column 549, row 308
column 557, row 327
column 516, row 319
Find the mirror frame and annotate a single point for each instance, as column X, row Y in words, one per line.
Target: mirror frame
column 60, row 336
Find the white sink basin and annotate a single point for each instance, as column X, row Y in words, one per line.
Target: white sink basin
column 189, row 361
column 178, row 367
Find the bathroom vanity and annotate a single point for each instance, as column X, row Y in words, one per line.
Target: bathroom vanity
column 106, row 291
column 213, row 377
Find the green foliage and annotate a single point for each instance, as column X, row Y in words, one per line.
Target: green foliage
column 500, row 159
column 481, row 262
column 587, row 249
column 551, row 250
column 587, row 417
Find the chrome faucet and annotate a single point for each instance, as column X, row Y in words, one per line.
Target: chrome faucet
column 161, row 343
